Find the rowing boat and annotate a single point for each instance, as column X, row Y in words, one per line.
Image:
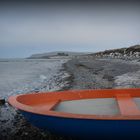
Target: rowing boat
column 83, row 113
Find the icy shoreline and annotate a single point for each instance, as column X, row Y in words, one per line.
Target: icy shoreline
column 23, row 76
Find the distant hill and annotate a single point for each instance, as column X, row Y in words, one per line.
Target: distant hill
column 126, row 53
column 55, row 54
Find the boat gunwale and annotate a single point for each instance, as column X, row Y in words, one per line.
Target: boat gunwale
column 26, row 108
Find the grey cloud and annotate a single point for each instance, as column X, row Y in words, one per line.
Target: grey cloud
column 100, row 26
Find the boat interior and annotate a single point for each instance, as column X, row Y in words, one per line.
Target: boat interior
column 109, row 102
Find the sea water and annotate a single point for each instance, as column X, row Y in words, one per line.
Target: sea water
column 19, row 76
column 22, row 76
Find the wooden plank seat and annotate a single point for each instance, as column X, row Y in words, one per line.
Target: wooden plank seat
column 47, row 106
column 126, row 105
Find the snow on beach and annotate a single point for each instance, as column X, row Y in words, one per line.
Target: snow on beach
column 130, row 79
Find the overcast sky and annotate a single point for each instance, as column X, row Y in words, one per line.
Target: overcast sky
column 26, row 29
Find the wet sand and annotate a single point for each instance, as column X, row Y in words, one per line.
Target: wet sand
column 85, row 74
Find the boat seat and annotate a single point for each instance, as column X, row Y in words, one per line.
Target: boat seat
column 46, row 107
column 126, row 105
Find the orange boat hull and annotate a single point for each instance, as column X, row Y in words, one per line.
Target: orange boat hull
column 39, row 110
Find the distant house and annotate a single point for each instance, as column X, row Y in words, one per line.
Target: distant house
column 62, row 54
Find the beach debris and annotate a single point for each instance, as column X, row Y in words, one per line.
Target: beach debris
column 2, row 101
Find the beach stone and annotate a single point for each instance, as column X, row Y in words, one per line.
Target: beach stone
column 2, row 101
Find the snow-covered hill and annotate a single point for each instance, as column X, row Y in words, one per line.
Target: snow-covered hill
column 132, row 52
